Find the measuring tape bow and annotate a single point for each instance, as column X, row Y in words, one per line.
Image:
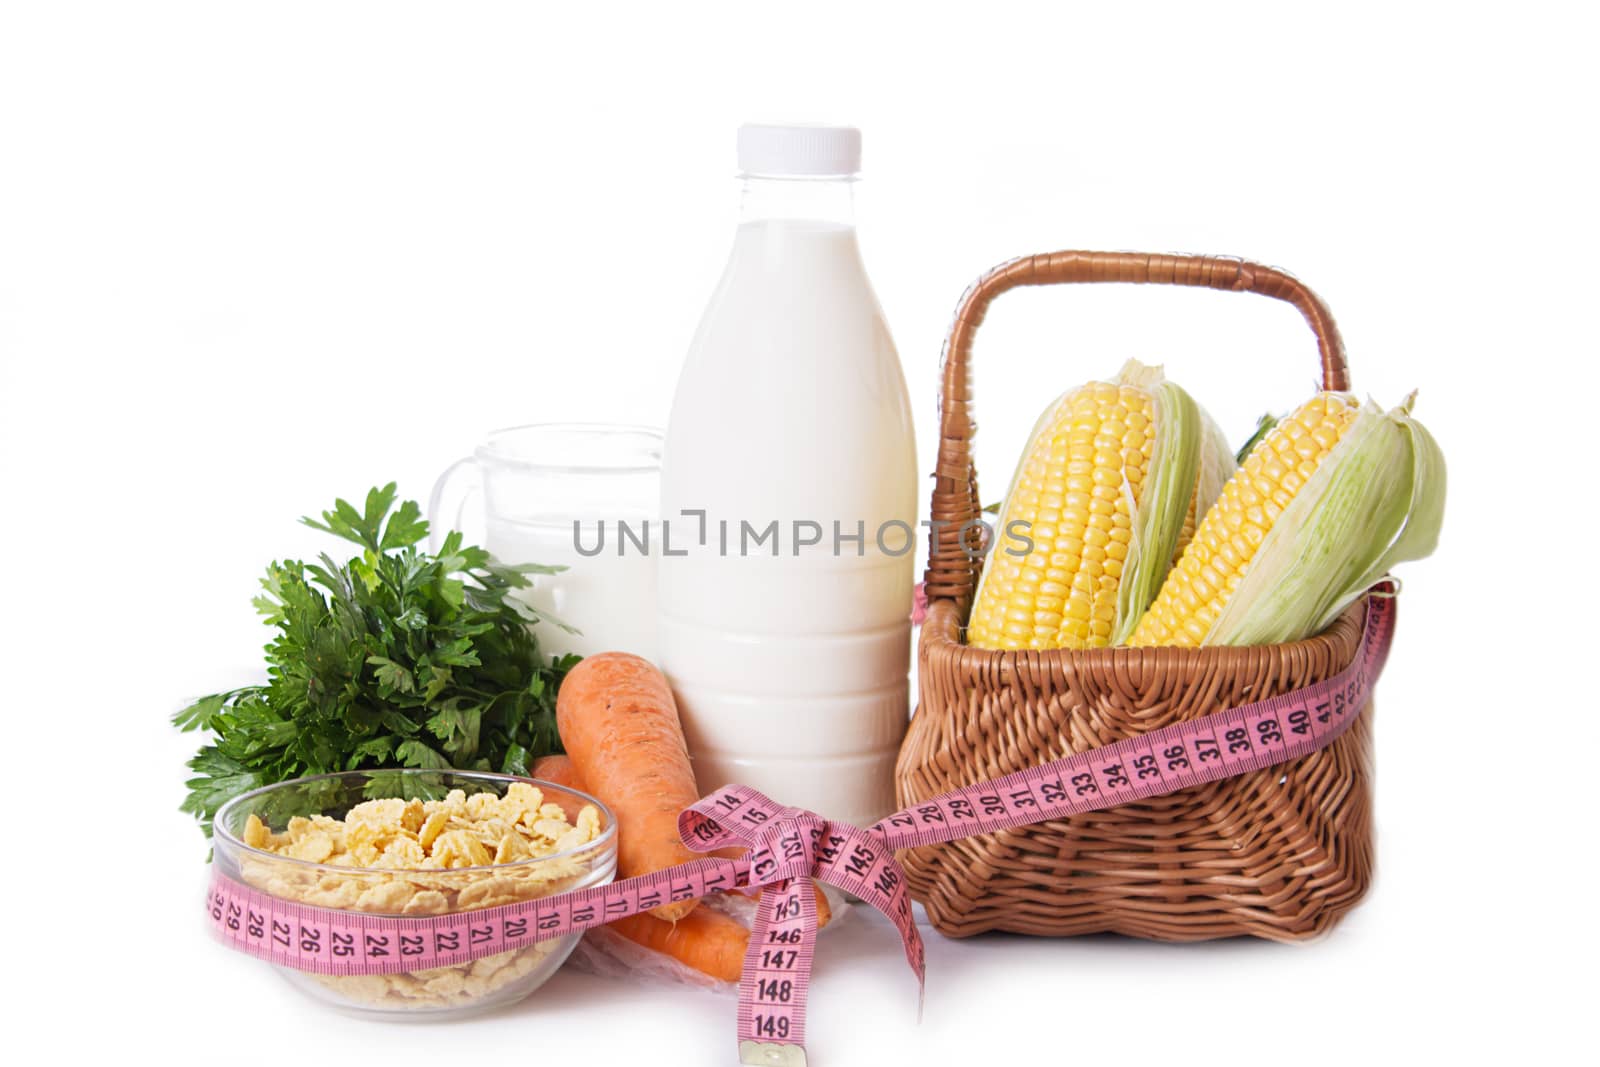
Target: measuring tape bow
column 789, row 847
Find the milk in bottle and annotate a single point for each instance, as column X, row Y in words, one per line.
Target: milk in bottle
column 789, row 482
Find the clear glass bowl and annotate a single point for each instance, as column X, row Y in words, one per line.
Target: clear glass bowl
column 439, row 992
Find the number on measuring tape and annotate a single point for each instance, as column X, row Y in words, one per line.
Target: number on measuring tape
column 828, row 851
column 860, row 861
column 774, row 989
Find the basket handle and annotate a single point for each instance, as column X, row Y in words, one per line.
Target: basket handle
column 951, row 573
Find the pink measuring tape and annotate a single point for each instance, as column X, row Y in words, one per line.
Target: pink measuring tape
column 789, row 847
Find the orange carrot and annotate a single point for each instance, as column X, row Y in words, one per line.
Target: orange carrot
column 707, row 940
column 824, row 912
column 620, row 725
column 557, row 769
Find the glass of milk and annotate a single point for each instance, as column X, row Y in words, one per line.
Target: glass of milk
column 584, row 496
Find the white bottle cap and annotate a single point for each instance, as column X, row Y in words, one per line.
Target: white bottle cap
column 799, row 151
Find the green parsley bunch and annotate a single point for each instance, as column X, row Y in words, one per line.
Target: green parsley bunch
column 397, row 658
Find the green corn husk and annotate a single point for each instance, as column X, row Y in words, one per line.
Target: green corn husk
column 1376, row 500
column 1164, row 497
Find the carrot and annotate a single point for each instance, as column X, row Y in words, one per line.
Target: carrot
column 824, row 912
column 557, row 769
column 620, row 726
column 707, row 940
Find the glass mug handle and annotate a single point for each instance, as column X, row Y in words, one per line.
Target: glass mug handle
column 460, row 483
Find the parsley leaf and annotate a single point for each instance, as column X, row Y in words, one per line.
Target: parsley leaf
column 395, row 658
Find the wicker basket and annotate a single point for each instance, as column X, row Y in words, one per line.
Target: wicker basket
column 1279, row 854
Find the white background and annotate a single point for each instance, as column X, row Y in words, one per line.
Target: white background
column 256, row 256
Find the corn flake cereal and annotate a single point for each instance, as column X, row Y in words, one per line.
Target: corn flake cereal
column 390, row 847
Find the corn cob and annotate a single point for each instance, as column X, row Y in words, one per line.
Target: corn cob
column 1330, row 499
column 1090, row 523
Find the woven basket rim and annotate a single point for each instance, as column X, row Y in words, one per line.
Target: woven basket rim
column 942, row 633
